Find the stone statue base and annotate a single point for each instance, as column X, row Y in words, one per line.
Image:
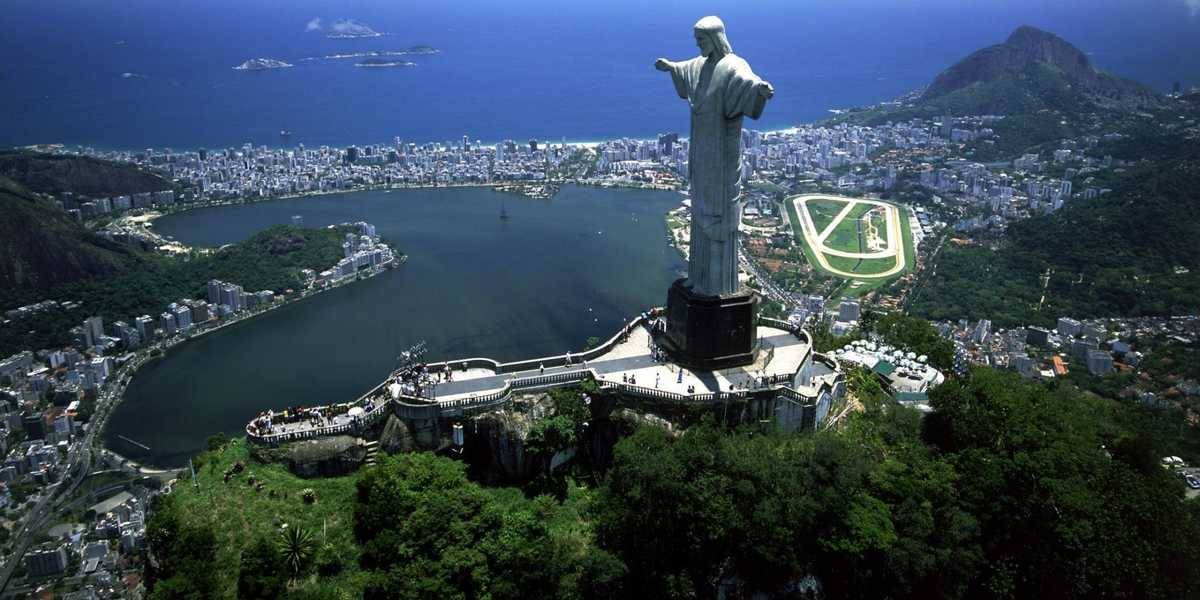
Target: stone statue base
column 709, row 333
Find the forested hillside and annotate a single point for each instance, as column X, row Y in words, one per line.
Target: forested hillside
column 1128, row 253
column 41, row 247
column 83, row 175
column 1010, row 489
column 270, row 260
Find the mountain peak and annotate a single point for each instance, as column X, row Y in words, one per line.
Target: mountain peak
column 1026, row 34
column 1043, row 46
column 1033, row 63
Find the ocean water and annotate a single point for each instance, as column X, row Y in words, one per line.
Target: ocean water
column 157, row 73
column 541, row 283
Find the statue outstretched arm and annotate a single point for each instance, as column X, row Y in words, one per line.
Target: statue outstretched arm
column 676, row 69
column 746, row 93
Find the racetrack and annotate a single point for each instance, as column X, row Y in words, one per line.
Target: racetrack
column 893, row 246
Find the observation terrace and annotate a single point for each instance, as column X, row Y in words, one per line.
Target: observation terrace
column 792, row 384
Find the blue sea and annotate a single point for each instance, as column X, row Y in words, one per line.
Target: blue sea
column 158, row 73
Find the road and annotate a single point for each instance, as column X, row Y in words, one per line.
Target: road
column 770, row 290
column 79, row 465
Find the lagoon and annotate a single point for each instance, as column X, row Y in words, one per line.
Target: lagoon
column 542, row 282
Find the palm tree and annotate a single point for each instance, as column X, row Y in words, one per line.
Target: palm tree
column 296, row 548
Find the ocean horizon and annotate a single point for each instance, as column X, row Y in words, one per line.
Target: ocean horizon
column 142, row 74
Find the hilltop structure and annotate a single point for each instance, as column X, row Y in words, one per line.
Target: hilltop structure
column 708, row 348
column 710, row 319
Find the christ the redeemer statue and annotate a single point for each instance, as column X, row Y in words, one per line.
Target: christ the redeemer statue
column 711, row 323
column 720, row 89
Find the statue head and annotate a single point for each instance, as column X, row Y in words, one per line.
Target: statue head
column 710, row 37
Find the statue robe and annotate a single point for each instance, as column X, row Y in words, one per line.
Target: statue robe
column 720, row 92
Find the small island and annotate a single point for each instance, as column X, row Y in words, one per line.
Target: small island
column 262, row 64
column 412, row 51
column 377, row 63
column 422, row 50
column 350, row 29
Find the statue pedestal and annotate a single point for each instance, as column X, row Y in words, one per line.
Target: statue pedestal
column 710, row 332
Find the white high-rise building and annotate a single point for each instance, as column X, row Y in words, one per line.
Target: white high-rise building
column 145, row 327
column 982, row 331
column 95, row 326
column 167, row 321
column 183, row 317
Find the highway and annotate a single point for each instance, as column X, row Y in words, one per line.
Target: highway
column 769, row 289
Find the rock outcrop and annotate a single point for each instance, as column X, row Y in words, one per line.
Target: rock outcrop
column 396, row 437
column 320, row 457
column 499, row 436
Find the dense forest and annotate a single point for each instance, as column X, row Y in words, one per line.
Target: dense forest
column 42, row 246
column 1009, row 489
column 270, row 260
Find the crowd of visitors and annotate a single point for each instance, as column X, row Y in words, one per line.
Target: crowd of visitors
column 300, row 418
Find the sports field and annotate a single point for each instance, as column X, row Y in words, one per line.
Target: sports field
column 853, row 238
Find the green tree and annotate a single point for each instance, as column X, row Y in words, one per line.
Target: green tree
column 262, row 571
column 689, row 515
column 216, row 442
column 296, row 550
column 426, row 531
column 917, row 335
column 1060, row 515
column 182, row 556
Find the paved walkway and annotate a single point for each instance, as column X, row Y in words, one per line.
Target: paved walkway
column 633, row 358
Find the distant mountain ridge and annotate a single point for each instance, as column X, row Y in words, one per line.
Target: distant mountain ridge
column 1039, row 68
column 81, row 175
column 41, row 246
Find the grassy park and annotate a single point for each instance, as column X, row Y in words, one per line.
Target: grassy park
column 847, row 235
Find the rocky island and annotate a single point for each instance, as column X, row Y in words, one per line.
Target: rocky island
column 422, row 50
column 262, row 64
column 416, row 50
column 384, row 63
column 350, row 29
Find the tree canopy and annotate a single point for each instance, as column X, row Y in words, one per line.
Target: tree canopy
column 1009, row 490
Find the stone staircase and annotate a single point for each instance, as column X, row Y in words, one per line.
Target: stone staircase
column 372, row 452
